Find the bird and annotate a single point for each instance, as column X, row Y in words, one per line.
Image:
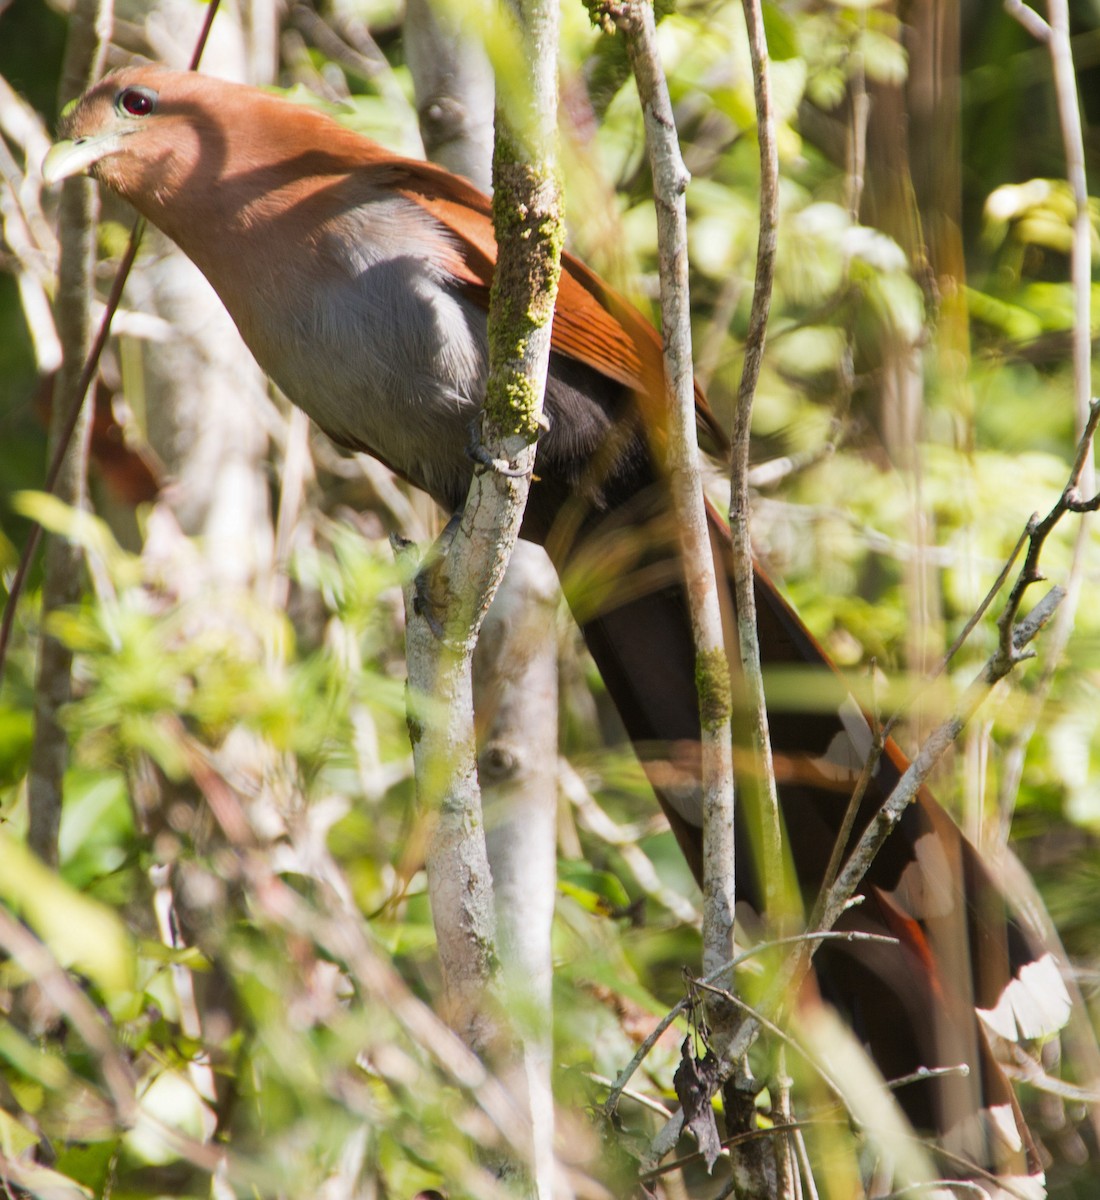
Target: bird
column 360, row 281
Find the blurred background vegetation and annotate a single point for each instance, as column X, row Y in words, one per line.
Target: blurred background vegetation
column 237, row 637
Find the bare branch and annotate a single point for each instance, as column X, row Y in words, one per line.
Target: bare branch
column 1029, row 19
column 70, row 432
column 1056, row 36
column 743, row 571
column 670, row 180
column 618, row 1088
column 921, row 767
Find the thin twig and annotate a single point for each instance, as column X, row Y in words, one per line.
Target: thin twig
column 670, row 181
column 666, row 1021
column 1056, row 37
column 26, row 559
column 784, row 1156
column 996, row 668
column 593, row 818
column 739, row 1139
column 1039, row 529
column 777, row 1031
column 24, row 948
column 763, row 777
column 343, row 935
column 630, row 1094
column 840, row 842
column 809, row 1183
column 790, row 975
column 204, row 36
column 775, row 470
column 1029, row 19
column 91, row 366
column 971, row 624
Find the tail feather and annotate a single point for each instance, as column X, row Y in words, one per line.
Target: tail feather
column 959, row 951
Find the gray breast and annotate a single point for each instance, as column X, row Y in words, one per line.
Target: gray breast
column 381, row 349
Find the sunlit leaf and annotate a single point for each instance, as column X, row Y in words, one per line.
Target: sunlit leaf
column 79, row 526
column 82, row 933
column 597, row 891
column 15, row 1137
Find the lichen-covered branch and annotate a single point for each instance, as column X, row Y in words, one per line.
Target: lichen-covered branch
column 459, row 584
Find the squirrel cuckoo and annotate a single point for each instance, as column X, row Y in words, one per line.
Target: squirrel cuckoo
column 360, row 281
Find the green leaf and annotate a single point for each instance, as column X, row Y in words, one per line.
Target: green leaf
column 190, row 957
column 593, row 890
column 1012, row 320
column 39, row 1065
column 14, row 1136
column 16, row 731
column 82, row 933
column 781, row 32
column 78, row 526
column 89, row 1163
column 885, row 57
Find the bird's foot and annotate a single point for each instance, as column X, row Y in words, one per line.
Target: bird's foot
column 475, row 449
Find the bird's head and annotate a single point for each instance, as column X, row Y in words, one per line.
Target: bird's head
column 102, row 123
column 140, row 129
column 167, row 141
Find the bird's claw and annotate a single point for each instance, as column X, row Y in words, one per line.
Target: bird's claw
column 475, row 450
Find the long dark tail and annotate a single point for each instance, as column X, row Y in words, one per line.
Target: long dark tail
column 958, row 951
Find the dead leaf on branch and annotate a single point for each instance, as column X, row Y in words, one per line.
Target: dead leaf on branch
column 695, row 1082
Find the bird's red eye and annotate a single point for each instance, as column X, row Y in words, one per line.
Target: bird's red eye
column 136, row 102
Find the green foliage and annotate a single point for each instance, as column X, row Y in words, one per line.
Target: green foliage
column 79, row 932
